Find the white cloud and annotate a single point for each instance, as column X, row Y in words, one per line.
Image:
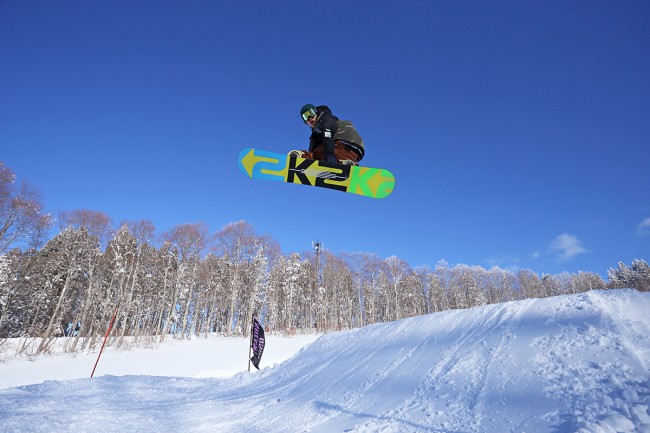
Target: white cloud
column 567, row 246
column 643, row 229
column 505, row 262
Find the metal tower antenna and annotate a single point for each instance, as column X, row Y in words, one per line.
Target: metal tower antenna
column 318, row 248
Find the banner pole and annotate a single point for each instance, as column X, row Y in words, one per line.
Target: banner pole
column 250, row 343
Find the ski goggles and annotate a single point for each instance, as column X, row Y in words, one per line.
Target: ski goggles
column 309, row 114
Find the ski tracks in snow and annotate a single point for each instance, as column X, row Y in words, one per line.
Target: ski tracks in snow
column 469, row 356
column 592, row 364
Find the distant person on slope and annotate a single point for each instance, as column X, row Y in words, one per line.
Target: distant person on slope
column 332, row 140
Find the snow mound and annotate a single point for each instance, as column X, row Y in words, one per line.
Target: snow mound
column 576, row 363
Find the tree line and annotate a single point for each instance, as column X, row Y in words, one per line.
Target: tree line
column 188, row 282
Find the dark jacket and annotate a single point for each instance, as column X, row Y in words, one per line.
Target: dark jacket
column 328, row 129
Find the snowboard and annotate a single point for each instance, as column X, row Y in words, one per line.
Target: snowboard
column 366, row 181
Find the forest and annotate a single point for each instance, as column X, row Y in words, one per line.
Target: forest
column 188, row 282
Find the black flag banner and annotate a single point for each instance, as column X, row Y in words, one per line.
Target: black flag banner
column 257, row 343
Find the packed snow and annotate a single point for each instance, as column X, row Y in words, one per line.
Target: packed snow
column 575, row 363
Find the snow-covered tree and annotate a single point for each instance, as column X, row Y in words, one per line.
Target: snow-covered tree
column 4, row 289
column 397, row 270
column 637, row 276
column 62, row 273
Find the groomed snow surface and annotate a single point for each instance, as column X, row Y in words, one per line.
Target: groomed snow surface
column 576, row 363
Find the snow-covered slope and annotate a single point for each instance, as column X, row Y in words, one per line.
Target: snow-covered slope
column 215, row 356
column 574, row 363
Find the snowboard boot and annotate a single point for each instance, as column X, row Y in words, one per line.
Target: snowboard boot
column 348, row 162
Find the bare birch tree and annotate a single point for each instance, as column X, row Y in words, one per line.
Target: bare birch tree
column 22, row 220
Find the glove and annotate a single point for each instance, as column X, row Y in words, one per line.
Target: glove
column 331, row 159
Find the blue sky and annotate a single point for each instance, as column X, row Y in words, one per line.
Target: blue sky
column 518, row 131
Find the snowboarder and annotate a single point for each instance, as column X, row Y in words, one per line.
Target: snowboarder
column 332, row 140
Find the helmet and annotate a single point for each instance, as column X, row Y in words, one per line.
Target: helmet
column 307, row 111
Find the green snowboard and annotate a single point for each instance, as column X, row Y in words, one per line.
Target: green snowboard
column 369, row 182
